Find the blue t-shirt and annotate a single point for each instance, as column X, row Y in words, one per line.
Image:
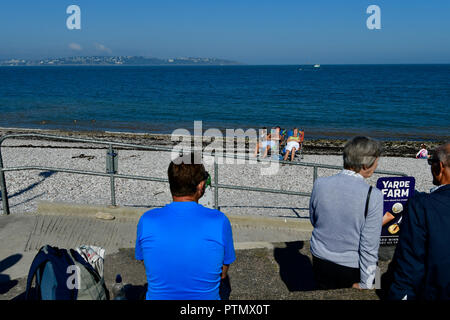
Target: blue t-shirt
column 184, row 246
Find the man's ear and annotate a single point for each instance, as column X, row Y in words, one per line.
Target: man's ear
column 437, row 170
column 441, row 167
column 201, row 186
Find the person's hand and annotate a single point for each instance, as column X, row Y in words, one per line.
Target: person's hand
column 356, row 286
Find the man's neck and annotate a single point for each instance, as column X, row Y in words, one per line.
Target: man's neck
column 185, row 199
column 445, row 178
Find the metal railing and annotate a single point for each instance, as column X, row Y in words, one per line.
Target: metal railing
column 112, row 165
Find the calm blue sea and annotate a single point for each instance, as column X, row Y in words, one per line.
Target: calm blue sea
column 388, row 101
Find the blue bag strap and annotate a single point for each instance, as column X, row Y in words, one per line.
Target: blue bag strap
column 60, row 260
column 367, row 202
column 40, row 260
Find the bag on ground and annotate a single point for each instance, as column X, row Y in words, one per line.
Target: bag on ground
column 60, row 274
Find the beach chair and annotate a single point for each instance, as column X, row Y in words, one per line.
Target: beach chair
column 284, row 135
column 302, row 138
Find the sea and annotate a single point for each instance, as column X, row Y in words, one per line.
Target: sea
column 388, row 102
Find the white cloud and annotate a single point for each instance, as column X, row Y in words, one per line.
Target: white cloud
column 103, row 48
column 75, row 46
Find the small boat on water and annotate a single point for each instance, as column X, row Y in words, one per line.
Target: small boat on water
column 308, row 67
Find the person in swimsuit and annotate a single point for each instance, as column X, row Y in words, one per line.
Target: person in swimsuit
column 263, row 139
column 268, row 141
column 273, row 139
column 293, row 144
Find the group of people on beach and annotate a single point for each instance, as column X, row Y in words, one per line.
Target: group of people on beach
column 187, row 248
column 288, row 142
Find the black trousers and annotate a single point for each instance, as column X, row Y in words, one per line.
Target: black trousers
column 329, row 275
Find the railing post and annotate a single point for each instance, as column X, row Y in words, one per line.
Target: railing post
column 216, row 183
column 110, row 158
column 4, row 193
column 112, row 169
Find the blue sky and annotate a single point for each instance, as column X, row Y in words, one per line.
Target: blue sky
column 249, row 31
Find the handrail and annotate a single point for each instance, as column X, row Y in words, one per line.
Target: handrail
column 113, row 175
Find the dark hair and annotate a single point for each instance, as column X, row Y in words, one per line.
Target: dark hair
column 185, row 175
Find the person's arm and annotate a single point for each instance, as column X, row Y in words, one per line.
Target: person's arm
column 227, row 238
column 225, row 268
column 312, row 204
column 370, row 240
column 410, row 253
column 138, row 249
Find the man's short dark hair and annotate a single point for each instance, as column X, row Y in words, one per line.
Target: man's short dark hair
column 185, row 175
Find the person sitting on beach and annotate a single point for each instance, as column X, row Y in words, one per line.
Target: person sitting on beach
column 423, row 152
column 273, row 141
column 346, row 214
column 263, row 137
column 293, row 144
column 186, row 248
column 270, row 140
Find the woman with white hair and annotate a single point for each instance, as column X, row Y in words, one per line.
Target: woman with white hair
column 346, row 213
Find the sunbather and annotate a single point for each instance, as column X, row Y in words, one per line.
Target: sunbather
column 273, row 140
column 293, row 144
column 263, row 138
column 268, row 141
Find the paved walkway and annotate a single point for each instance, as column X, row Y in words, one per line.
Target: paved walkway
column 271, row 253
column 69, row 226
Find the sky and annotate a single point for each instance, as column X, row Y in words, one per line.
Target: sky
column 248, row 31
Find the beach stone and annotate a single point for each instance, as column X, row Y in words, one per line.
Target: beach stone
column 104, row 216
column 28, row 188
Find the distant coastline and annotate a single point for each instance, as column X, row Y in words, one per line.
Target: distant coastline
column 117, row 61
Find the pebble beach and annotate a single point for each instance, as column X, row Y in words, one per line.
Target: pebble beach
column 27, row 188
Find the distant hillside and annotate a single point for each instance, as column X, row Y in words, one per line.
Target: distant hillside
column 117, row 61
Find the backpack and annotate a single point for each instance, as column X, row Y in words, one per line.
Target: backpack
column 62, row 274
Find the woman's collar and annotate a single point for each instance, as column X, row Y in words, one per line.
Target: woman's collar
column 351, row 173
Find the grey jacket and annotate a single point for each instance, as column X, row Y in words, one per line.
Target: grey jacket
column 341, row 233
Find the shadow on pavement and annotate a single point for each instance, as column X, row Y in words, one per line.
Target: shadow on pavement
column 134, row 292
column 295, row 268
column 6, row 283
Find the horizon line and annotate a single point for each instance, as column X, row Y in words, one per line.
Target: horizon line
column 236, row 65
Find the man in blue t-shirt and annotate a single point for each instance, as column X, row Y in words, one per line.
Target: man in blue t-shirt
column 186, row 248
